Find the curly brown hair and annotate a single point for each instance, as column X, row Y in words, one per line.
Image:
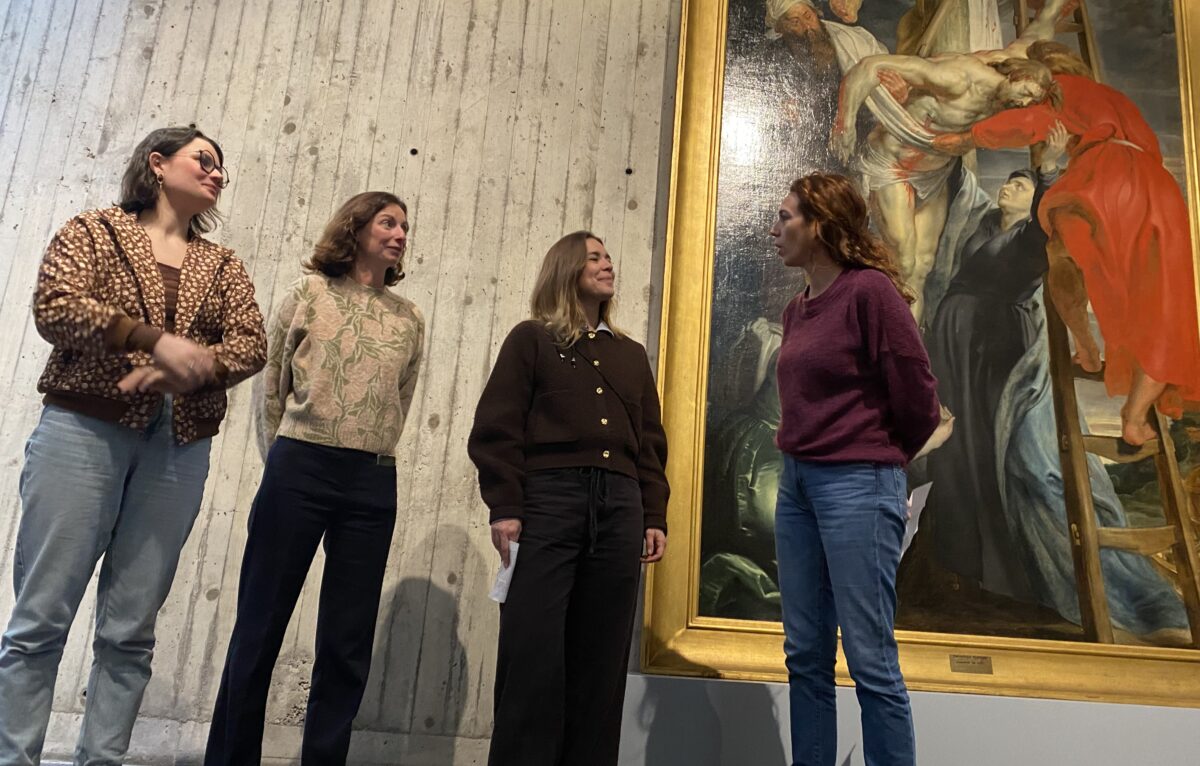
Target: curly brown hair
column 335, row 251
column 833, row 203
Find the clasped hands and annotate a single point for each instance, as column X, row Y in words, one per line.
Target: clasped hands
column 177, row 366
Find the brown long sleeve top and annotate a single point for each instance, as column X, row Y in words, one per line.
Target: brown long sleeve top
column 101, row 302
column 593, row 404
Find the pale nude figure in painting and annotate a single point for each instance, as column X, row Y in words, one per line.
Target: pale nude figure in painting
column 905, row 175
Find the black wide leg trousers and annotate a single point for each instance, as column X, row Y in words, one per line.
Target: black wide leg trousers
column 566, row 625
column 310, row 495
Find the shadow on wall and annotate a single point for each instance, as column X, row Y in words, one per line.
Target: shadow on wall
column 702, row 722
column 673, row 721
column 412, row 711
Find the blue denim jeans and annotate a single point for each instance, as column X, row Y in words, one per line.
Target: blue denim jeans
column 838, row 529
column 91, row 489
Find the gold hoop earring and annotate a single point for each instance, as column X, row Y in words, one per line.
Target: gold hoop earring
column 159, row 178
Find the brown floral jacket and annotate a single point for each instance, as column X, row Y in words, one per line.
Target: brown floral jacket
column 100, row 302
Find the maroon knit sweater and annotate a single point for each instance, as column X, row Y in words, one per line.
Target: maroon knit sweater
column 854, row 378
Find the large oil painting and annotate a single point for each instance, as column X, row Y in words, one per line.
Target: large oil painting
column 1030, row 162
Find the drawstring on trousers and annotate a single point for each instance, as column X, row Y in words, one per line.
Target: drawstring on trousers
column 597, row 496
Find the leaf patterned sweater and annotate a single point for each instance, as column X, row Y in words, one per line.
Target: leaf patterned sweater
column 342, row 363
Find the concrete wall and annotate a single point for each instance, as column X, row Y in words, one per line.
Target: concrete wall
column 503, row 123
column 525, row 117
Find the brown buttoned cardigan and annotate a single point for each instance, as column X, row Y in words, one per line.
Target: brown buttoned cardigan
column 593, row 404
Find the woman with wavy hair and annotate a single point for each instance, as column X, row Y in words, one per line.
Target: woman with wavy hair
column 342, row 362
column 571, row 456
column 858, row 402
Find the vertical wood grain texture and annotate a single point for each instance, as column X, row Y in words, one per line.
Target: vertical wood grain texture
column 503, row 124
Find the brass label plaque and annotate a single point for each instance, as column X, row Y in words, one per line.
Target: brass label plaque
column 971, row 663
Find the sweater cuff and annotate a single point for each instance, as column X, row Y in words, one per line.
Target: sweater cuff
column 116, row 334
column 500, row 514
column 142, row 337
column 656, row 521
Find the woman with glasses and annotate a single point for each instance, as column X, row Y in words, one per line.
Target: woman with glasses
column 149, row 323
column 344, row 352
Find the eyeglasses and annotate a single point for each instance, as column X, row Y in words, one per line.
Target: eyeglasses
column 208, row 164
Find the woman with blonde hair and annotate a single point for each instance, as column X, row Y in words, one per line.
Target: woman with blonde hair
column 342, row 362
column 858, row 402
column 571, row 455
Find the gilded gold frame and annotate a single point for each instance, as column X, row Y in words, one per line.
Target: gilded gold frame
column 676, row 640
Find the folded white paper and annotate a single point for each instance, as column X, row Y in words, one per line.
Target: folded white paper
column 504, row 576
column 916, row 504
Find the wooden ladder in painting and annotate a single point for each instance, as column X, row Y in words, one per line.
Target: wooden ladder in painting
column 1172, row 547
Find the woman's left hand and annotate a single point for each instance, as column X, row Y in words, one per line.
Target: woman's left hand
column 656, row 546
column 941, row 434
column 151, row 377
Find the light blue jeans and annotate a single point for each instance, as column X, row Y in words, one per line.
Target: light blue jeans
column 838, row 529
column 91, row 489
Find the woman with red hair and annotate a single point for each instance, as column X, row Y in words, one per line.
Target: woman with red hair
column 857, row 402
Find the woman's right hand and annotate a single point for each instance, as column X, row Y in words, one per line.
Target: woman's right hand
column 505, row 531
column 188, row 364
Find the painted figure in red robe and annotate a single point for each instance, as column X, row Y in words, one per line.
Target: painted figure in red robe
column 1119, row 237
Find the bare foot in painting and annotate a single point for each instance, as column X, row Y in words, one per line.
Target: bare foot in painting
column 1174, row 637
column 1087, row 354
column 1121, row 636
column 1135, row 427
